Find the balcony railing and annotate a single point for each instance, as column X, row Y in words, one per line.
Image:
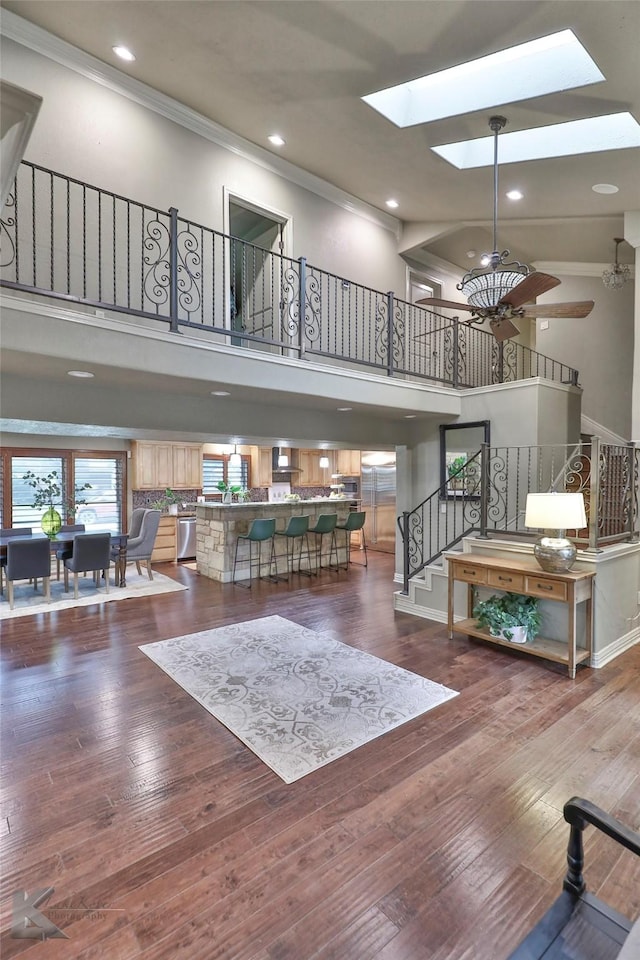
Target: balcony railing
column 488, row 495
column 62, row 238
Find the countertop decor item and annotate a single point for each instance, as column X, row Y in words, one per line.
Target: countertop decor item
column 49, row 493
column 555, row 513
column 511, row 616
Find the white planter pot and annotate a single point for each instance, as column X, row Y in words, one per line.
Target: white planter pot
column 518, row 634
column 173, row 509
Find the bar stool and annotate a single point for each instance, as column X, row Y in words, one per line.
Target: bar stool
column 354, row 522
column 259, row 531
column 326, row 525
column 297, row 527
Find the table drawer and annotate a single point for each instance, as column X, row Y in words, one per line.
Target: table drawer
column 541, row 587
column 470, row 572
column 504, row 580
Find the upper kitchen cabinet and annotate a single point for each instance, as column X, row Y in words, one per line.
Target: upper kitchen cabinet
column 261, row 466
column 312, row 475
column 348, row 463
column 157, row 465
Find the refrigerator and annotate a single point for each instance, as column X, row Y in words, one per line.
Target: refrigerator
column 378, row 493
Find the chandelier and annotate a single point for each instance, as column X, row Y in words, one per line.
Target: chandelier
column 615, row 276
column 485, row 287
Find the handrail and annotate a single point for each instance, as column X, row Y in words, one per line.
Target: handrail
column 62, row 238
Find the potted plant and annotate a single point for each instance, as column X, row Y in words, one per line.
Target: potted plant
column 510, row 616
column 227, row 490
column 49, row 494
column 171, row 501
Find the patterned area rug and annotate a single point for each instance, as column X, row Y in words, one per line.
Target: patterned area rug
column 28, row 601
column 297, row 698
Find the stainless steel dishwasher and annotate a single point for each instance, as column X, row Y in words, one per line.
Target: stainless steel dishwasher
column 186, row 538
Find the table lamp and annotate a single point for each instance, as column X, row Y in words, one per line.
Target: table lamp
column 554, row 513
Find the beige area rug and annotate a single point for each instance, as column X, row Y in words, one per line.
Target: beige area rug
column 27, row 601
column 297, row 698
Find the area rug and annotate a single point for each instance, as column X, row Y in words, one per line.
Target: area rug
column 28, row 602
column 297, row 698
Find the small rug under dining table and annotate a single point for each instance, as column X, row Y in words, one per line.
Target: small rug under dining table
column 298, row 699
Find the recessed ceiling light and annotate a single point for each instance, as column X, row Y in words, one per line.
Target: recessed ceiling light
column 545, row 65
column 410, row 416
column 515, row 194
column 81, row 374
column 344, row 409
column 123, row 52
column 276, row 140
column 393, row 204
column 605, row 188
column 471, row 254
column 220, row 393
column 615, row 131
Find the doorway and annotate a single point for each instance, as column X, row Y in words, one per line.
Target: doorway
column 256, row 272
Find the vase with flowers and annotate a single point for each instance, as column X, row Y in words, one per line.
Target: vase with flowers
column 49, row 493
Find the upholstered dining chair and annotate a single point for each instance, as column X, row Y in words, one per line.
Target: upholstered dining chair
column 28, row 560
column 66, row 549
column 91, row 554
column 140, row 547
column 12, row 532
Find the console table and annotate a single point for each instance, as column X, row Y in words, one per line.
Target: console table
column 526, row 577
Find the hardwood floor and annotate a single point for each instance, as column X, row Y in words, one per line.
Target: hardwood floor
column 164, row 837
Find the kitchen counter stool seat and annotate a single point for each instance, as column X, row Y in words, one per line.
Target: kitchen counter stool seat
column 298, row 527
column 354, row 522
column 326, row 527
column 260, row 531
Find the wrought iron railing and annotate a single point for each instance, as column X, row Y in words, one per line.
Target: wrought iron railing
column 66, row 239
column 488, row 496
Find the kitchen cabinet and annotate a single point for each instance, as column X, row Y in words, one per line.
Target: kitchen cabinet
column 157, row 465
column 313, row 475
column 166, row 545
column 348, row 463
column 261, row 466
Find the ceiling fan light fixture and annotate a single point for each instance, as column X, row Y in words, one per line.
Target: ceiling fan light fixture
column 615, row 276
column 485, row 290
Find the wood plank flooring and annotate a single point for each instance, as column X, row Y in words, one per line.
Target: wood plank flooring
column 164, row 837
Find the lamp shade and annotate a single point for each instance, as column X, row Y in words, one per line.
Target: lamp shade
column 323, row 463
column 555, row 511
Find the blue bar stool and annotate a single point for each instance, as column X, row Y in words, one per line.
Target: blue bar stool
column 353, row 523
column 298, row 527
column 259, row 531
column 326, row 526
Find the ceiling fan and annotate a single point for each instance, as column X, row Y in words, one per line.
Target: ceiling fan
column 500, row 290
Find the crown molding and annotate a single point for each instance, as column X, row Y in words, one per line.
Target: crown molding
column 41, row 41
column 568, row 268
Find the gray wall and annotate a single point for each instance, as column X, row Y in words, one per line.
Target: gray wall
column 600, row 346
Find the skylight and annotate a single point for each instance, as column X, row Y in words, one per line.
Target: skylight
column 545, row 65
column 616, row 131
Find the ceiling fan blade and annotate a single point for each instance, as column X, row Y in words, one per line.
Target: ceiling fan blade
column 576, row 308
column 529, row 288
column 503, row 329
column 450, row 304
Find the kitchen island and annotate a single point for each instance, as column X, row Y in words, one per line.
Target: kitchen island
column 219, row 525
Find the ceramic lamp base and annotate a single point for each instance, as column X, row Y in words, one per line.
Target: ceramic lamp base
column 555, row 554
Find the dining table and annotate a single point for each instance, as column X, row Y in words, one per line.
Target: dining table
column 118, row 540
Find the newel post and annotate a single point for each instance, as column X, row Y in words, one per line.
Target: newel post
column 594, row 493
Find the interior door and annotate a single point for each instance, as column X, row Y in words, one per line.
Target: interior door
column 255, row 274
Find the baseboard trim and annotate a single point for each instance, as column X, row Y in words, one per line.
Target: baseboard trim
column 405, row 604
column 613, row 650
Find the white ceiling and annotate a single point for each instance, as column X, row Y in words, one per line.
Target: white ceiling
column 301, row 67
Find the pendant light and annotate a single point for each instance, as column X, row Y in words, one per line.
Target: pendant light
column 235, row 460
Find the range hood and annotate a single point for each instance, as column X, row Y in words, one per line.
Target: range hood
column 282, row 471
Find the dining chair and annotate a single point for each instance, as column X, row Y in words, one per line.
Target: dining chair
column 354, row 522
column 28, row 560
column 139, row 547
column 65, row 550
column 91, row 554
column 11, row 532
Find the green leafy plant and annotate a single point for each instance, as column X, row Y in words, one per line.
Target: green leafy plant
column 49, row 493
column 502, row 612
column 228, row 487
column 456, row 465
column 170, row 496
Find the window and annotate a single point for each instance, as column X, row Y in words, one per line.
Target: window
column 92, row 485
column 217, row 467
